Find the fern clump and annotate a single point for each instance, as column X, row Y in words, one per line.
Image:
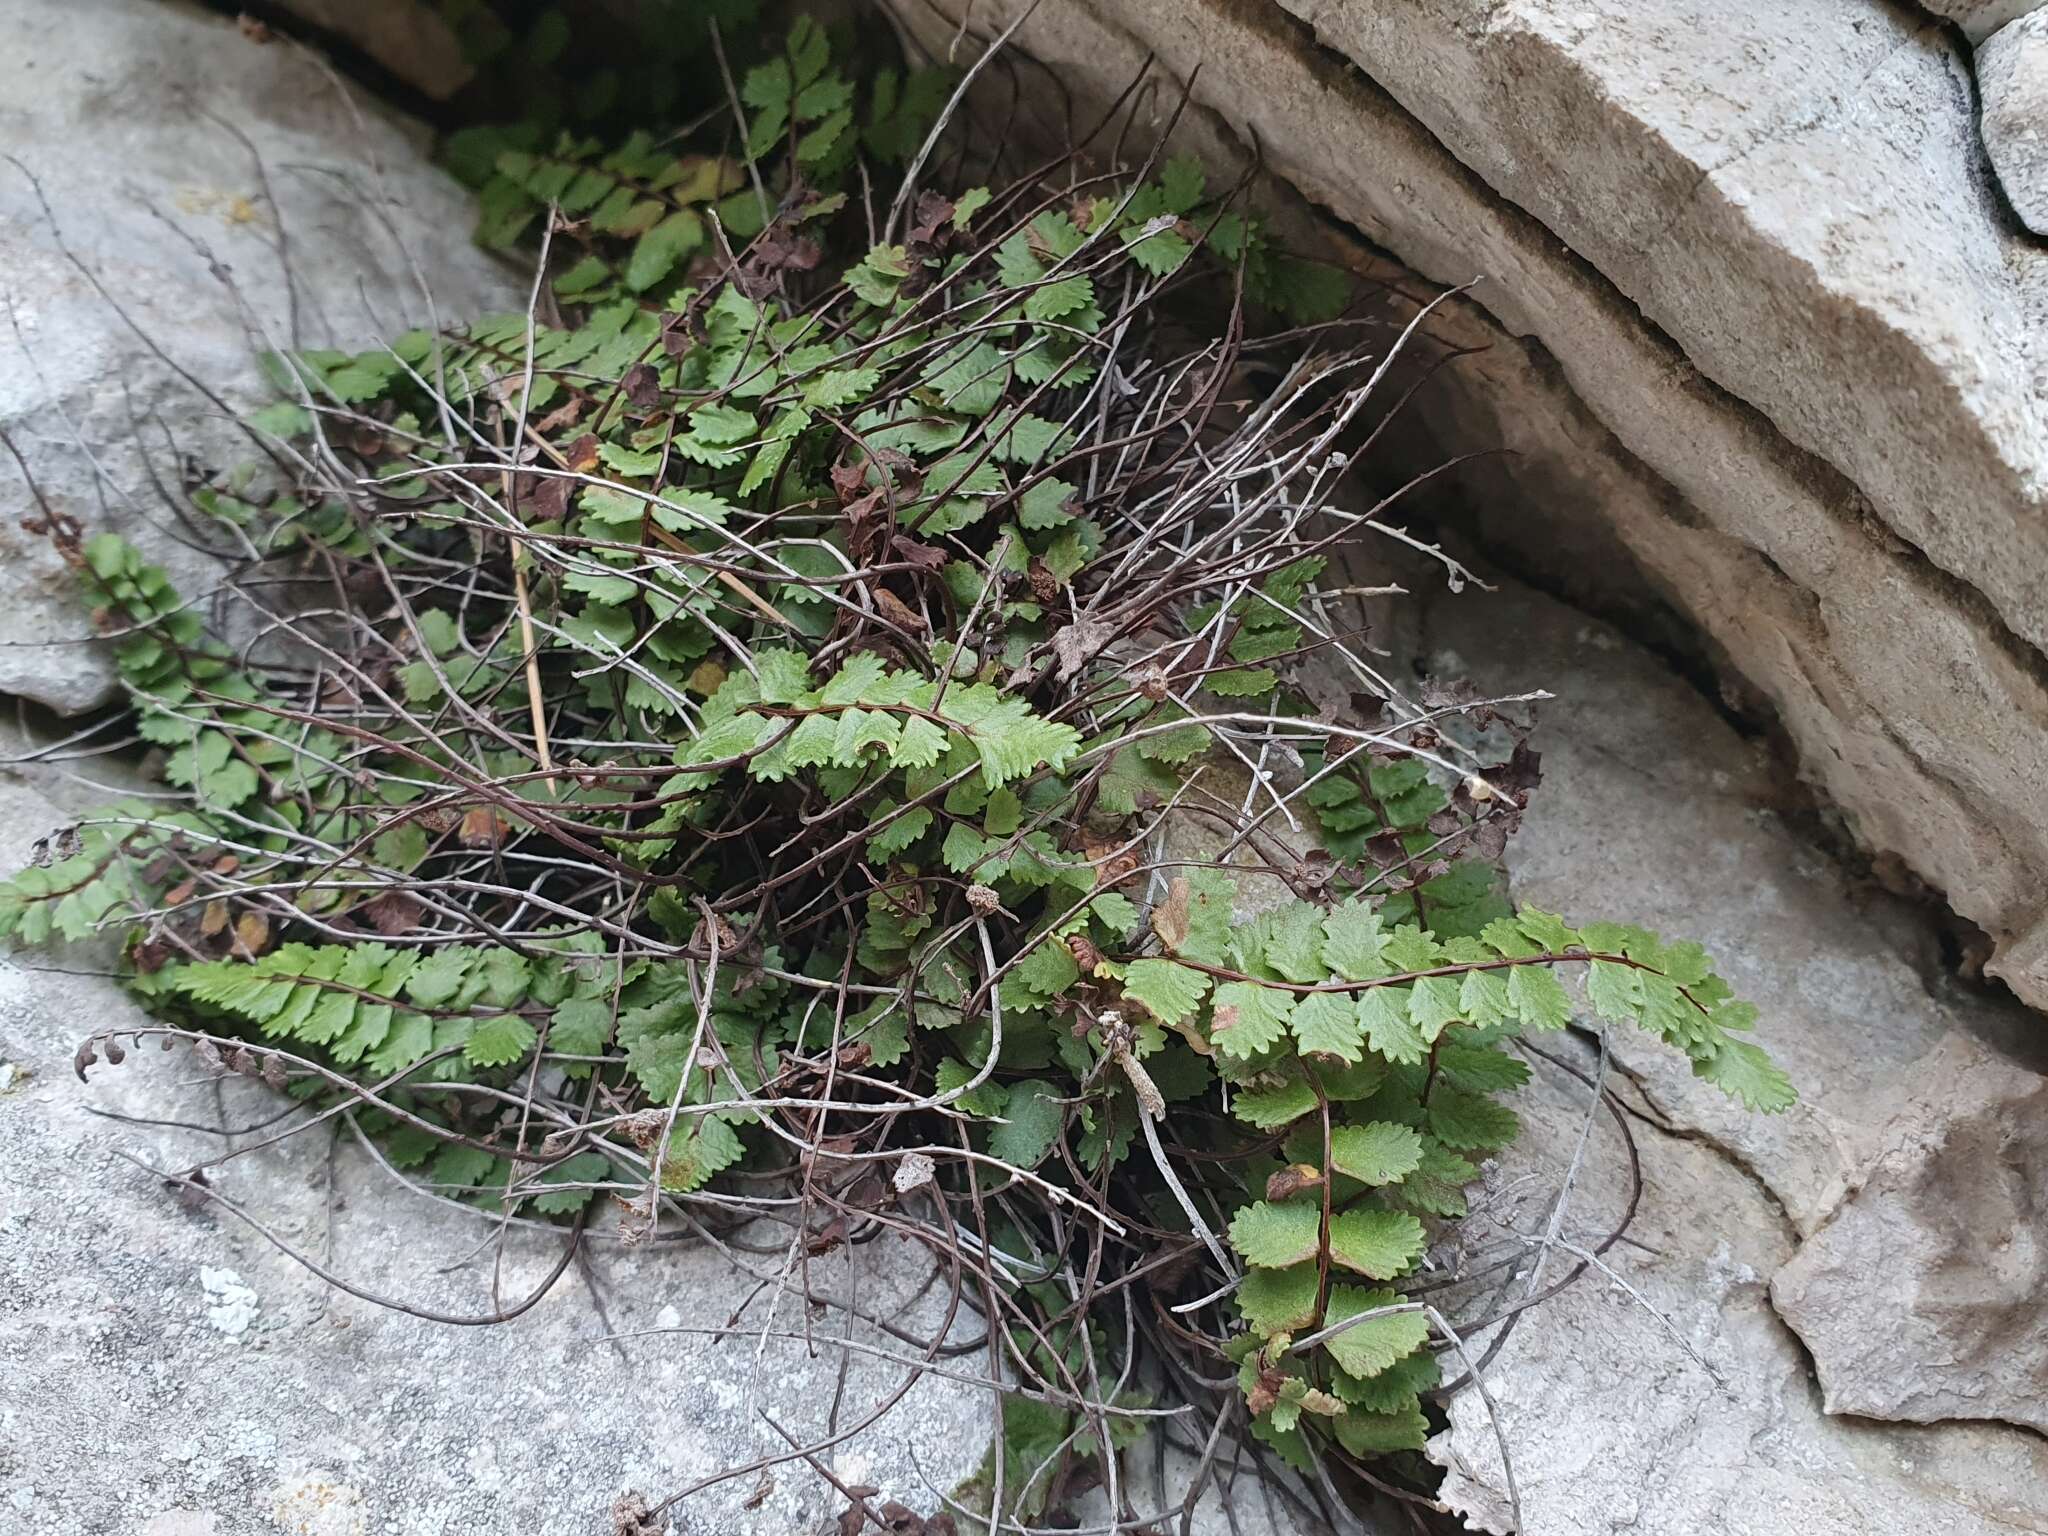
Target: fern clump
column 724, row 724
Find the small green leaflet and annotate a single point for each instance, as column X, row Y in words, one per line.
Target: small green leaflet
column 1378, row 1244
column 902, row 829
column 1538, row 997
column 1352, row 942
column 1294, row 943
column 1048, row 968
column 1327, row 1024
column 1470, row 1122
column 1044, row 505
column 1194, row 922
column 968, row 204
column 1379, row 1434
column 1270, row 1108
column 581, row 1026
column 1408, row 949
column 1248, row 1018
column 1394, row 1388
column 1060, row 298
column 1169, row 991
column 459, row 1167
column 410, row 1036
column 986, row 1099
column 1388, row 1028
column 1279, row 1300
column 499, row 1041
column 1483, row 999
column 1365, row 1349
column 562, row 1200
column 1745, row 1072
column 656, row 253
column 1437, row 1187
column 1273, row 1236
column 699, row 1147
column 1032, row 1118
column 659, row 1062
column 1481, row 1069
column 1433, row 1004
column 1379, row 1153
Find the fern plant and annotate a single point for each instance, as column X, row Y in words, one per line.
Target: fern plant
column 742, row 723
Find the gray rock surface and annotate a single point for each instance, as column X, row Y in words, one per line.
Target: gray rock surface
column 1817, row 328
column 208, row 197
column 1980, row 18
column 166, row 1372
column 1786, row 192
column 1653, row 809
column 1945, row 1239
column 2012, row 83
column 1687, row 1406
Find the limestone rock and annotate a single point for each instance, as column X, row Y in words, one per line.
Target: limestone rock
column 412, row 40
column 1922, row 1126
column 1787, row 193
column 1686, row 1406
column 1759, row 337
column 208, row 197
column 1925, row 1296
column 2012, row 82
column 1980, row 18
column 1653, row 809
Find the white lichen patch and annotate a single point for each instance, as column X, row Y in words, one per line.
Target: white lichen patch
column 230, row 1304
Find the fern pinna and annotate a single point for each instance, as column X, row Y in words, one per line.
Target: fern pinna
column 733, row 717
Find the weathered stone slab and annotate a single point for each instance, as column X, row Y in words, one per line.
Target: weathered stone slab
column 1922, row 1296
column 197, row 197
column 2012, row 83
column 1917, row 1287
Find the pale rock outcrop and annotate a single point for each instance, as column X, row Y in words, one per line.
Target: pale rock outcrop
column 182, row 197
column 1921, row 1298
column 1654, row 810
column 1894, row 1214
column 2012, row 81
column 1670, row 1397
column 1980, row 18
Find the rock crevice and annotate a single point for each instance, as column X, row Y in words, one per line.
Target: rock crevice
column 1872, row 572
